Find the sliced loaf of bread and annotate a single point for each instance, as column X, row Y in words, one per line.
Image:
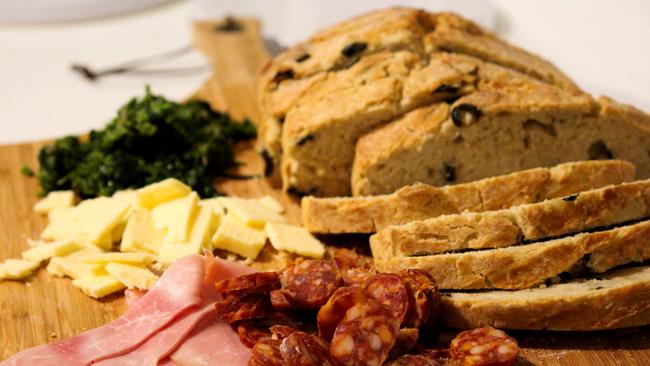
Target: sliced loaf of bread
column 420, row 201
column 575, row 213
column 618, row 299
column 527, row 266
column 495, row 132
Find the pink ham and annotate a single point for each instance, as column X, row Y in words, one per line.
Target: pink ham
column 178, row 290
column 213, row 342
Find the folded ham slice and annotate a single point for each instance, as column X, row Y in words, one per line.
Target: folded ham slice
column 178, row 290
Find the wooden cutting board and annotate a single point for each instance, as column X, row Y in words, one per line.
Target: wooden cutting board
column 44, row 309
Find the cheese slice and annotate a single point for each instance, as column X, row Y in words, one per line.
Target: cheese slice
column 73, row 266
column 103, row 258
column 98, row 285
column 170, row 252
column 176, row 217
column 160, row 192
column 216, row 204
column 132, row 276
column 204, row 227
column 16, row 269
column 251, row 212
column 55, row 199
column 271, row 203
column 46, row 251
column 235, row 236
column 294, row 239
column 140, row 233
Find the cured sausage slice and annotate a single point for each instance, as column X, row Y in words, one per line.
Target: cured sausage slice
column 250, row 333
column 347, row 259
column 414, row 360
column 426, row 298
column 252, row 283
column 355, row 276
column 267, row 353
column 281, row 331
column 310, row 283
column 330, row 315
column 302, row 349
column 484, row 346
column 233, row 308
column 365, row 336
column 392, row 292
column 279, row 300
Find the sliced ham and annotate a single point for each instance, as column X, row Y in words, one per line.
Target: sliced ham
column 177, row 291
column 213, row 342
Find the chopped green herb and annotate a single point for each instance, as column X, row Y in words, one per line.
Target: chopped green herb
column 149, row 140
column 27, row 171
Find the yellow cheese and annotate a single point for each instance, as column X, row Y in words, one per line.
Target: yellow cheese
column 15, row 269
column 176, row 217
column 233, row 235
column 170, row 252
column 251, row 212
column 271, row 203
column 163, row 191
column 98, row 285
column 204, row 227
column 55, row 199
column 132, row 276
column 216, row 204
column 140, row 233
column 92, row 221
column 73, row 266
column 103, row 258
column 46, row 251
column 294, row 239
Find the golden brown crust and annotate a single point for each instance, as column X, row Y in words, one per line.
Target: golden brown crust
column 617, row 300
column 527, row 266
column 420, row 201
column 587, row 210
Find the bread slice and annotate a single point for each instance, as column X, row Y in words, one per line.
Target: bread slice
column 502, row 132
column 571, row 214
column 619, row 299
column 420, row 201
column 288, row 77
column 319, row 133
column 526, row 266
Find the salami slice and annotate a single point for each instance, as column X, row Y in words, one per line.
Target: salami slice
column 365, row 336
column 426, row 298
column 392, row 292
column 415, row 360
column 250, row 333
column 302, row 349
column 281, row 331
column 309, row 284
column 279, row 300
column 347, row 259
column 355, row 276
column 267, row 353
column 233, row 308
column 484, row 346
column 330, row 315
column 252, row 283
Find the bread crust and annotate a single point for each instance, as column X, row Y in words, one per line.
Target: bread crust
column 531, row 265
column 619, row 299
column 597, row 208
column 369, row 214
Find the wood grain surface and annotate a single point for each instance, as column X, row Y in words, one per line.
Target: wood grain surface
column 44, row 309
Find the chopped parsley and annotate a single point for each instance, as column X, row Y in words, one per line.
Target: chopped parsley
column 149, row 140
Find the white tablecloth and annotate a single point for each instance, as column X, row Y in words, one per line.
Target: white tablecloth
column 604, row 45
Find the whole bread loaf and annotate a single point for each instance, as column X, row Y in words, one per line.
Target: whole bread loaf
column 420, row 201
column 320, row 96
column 571, row 214
column 531, row 265
column 619, row 299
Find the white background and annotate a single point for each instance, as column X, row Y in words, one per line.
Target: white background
column 604, row 45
